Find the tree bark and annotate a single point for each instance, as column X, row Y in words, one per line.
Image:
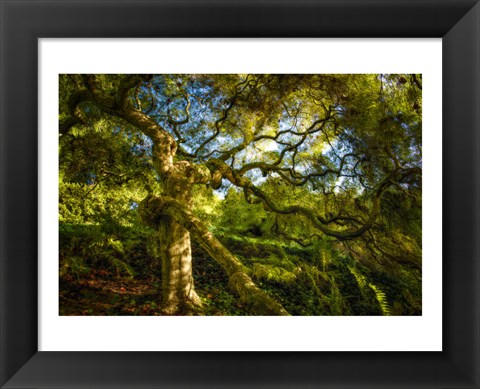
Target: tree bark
column 178, row 292
column 153, row 209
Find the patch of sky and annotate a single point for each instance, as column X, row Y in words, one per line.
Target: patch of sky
column 256, row 177
column 266, row 145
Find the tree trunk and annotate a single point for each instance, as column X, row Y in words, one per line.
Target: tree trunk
column 178, row 292
column 178, row 178
column 154, row 209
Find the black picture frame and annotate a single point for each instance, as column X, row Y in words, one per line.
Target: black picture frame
column 22, row 22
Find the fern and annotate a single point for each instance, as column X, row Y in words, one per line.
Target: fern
column 121, row 267
column 336, row 300
column 382, row 300
column 380, row 296
column 361, row 280
column 73, row 265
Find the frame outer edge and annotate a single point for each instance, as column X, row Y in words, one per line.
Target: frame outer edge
column 462, row 194
column 23, row 44
column 18, row 191
column 476, row 334
column 3, row 353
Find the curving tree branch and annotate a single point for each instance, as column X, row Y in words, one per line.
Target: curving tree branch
column 317, row 220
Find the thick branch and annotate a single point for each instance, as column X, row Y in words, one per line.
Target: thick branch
column 164, row 146
column 76, row 115
column 317, row 220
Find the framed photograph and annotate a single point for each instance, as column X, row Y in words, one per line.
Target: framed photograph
column 372, row 125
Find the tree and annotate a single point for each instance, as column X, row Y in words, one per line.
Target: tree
column 338, row 154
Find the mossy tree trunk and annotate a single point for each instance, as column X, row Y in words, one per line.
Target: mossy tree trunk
column 178, row 291
column 154, row 209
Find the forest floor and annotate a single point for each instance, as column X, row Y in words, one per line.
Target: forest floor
column 295, row 277
column 107, row 296
column 103, row 293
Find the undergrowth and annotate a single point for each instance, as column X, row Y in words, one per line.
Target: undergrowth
column 117, row 272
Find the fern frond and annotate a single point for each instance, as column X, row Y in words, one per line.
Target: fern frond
column 361, row 280
column 121, row 267
column 380, row 296
column 382, row 300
